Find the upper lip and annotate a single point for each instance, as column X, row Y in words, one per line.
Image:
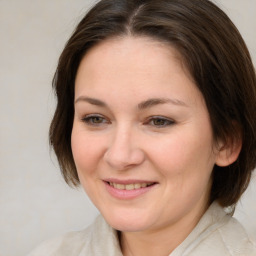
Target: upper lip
column 128, row 181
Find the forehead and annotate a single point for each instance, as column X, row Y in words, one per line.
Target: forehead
column 144, row 53
column 140, row 64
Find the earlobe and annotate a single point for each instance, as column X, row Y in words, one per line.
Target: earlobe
column 228, row 152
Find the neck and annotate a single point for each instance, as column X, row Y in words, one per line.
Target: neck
column 161, row 241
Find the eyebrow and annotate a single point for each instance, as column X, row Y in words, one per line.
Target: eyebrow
column 157, row 101
column 92, row 101
column 143, row 105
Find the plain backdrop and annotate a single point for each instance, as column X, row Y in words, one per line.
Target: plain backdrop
column 35, row 203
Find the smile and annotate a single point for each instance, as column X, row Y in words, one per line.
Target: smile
column 129, row 189
column 130, row 186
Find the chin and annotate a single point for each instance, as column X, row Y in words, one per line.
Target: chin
column 130, row 222
column 127, row 226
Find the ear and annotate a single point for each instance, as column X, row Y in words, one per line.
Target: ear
column 228, row 152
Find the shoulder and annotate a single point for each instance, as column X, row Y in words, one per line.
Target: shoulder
column 65, row 245
column 76, row 243
column 217, row 233
column 235, row 239
column 229, row 238
column 225, row 235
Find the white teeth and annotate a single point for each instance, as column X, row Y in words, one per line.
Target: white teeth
column 143, row 185
column 129, row 186
column 137, row 185
column 120, row 186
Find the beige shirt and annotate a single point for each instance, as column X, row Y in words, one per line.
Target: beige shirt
column 216, row 234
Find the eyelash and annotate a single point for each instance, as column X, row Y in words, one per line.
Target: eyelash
column 164, row 122
column 88, row 119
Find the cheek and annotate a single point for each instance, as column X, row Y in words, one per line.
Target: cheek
column 86, row 152
column 185, row 164
column 185, row 154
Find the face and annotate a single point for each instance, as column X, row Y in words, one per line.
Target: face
column 141, row 140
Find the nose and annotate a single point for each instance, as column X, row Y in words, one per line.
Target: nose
column 124, row 151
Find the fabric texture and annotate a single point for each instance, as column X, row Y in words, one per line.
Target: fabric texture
column 216, row 234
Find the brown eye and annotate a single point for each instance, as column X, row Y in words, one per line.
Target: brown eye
column 160, row 122
column 94, row 120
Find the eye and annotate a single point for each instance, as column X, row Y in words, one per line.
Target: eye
column 159, row 121
column 94, row 120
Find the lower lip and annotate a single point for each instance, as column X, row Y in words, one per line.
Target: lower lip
column 127, row 194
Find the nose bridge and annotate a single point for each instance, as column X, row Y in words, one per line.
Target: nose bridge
column 124, row 150
column 122, row 136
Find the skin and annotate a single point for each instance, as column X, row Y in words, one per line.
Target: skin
column 169, row 142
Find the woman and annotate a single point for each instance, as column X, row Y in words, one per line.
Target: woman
column 156, row 119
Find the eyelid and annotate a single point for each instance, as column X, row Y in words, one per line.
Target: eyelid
column 87, row 118
column 168, row 121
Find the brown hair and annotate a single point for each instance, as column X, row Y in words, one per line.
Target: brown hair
column 212, row 50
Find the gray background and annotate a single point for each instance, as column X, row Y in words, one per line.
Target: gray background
column 35, row 203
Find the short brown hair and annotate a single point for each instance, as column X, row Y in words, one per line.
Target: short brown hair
column 212, row 50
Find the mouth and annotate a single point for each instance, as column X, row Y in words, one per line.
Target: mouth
column 129, row 189
column 131, row 186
